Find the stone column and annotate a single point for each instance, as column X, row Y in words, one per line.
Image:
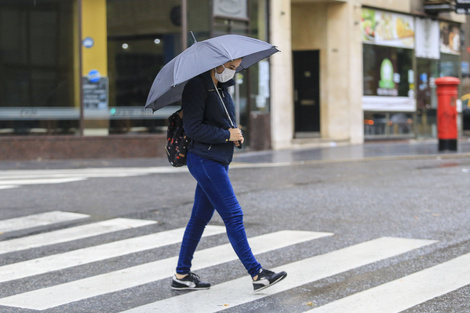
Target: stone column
column 282, row 105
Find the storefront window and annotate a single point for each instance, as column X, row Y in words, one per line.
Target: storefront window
column 37, row 93
column 426, row 105
column 393, row 125
column 389, row 91
column 449, row 65
column 142, row 37
column 40, row 62
column 387, row 71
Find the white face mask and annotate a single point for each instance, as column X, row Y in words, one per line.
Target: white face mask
column 225, row 76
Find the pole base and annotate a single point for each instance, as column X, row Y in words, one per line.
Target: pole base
column 448, row 144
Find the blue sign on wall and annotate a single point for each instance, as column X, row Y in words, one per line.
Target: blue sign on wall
column 88, row 42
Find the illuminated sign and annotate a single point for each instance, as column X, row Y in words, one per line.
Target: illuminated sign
column 462, row 6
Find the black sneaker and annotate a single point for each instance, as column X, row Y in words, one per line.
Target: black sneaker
column 267, row 278
column 190, row 281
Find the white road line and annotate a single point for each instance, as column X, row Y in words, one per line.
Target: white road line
column 40, row 181
column 8, row 186
column 97, row 253
column 69, row 234
column 134, row 276
column 239, row 291
column 90, row 172
column 16, row 178
column 406, row 292
column 41, row 219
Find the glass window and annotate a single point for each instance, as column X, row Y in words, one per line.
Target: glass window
column 387, row 71
column 449, row 65
column 375, row 124
column 389, row 124
column 142, row 37
column 427, row 70
column 37, row 94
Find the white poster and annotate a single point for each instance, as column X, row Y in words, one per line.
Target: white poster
column 450, row 37
column 388, row 29
column 231, row 8
column 427, row 38
column 388, row 104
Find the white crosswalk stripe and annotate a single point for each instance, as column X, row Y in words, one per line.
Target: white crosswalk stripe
column 37, row 220
column 70, row 234
column 390, row 297
column 16, row 178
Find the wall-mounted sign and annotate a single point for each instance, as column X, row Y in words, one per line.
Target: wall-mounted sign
column 94, row 76
column 450, row 37
column 462, row 6
column 88, row 42
column 427, row 38
column 387, row 29
column 436, row 6
column 95, row 93
column 231, row 8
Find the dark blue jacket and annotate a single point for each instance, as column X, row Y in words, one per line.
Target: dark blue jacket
column 205, row 120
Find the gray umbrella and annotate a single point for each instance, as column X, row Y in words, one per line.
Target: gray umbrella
column 201, row 57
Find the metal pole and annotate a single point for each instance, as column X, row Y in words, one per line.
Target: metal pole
column 80, row 66
column 184, row 25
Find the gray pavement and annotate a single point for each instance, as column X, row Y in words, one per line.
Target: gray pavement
column 328, row 152
column 404, row 190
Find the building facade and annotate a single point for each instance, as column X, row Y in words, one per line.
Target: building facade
column 77, row 72
column 371, row 67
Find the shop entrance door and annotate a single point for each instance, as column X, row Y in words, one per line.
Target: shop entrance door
column 306, row 93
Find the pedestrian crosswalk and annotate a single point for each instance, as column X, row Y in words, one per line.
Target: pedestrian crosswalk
column 390, row 297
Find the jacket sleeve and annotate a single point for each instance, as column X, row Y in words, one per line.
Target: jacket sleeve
column 194, row 103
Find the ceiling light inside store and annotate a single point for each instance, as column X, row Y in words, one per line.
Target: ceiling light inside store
column 125, row 46
column 156, row 41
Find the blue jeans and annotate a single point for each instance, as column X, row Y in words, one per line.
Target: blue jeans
column 214, row 192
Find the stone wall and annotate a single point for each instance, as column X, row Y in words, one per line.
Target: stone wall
column 75, row 147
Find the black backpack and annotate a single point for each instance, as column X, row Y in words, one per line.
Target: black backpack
column 177, row 141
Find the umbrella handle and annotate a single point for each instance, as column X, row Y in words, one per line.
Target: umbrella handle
column 226, row 111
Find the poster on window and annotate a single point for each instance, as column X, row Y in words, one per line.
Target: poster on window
column 387, row 29
column 388, row 79
column 231, row 8
column 427, row 39
column 449, row 37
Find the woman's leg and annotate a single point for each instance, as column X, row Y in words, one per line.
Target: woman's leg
column 201, row 215
column 213, row 179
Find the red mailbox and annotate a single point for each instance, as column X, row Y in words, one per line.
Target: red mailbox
column 447, row 95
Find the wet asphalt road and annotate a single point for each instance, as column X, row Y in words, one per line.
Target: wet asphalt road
column 358, row 193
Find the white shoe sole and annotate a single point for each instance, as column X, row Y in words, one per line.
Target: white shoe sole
column 274, row 282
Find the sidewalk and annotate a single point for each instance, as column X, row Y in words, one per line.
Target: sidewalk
column 332, row 153
column 368, row 150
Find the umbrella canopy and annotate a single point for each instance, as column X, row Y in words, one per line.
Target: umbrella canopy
column 201, row 57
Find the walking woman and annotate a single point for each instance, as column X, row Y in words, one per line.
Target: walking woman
column 210, row 153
